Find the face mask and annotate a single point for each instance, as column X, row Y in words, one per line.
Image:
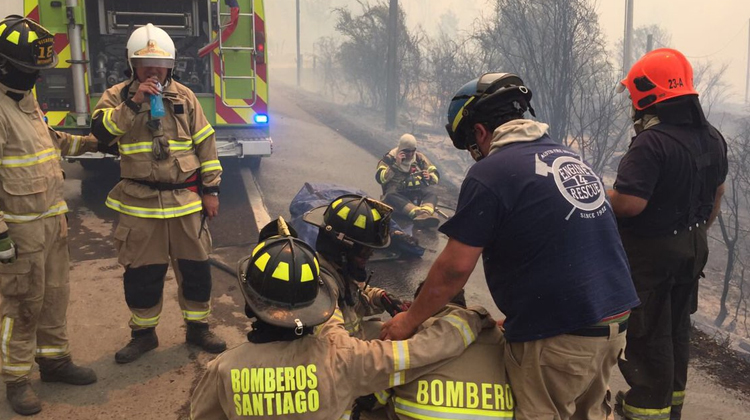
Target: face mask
column 14, row 78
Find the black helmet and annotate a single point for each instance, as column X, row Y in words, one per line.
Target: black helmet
column 26, row 44
column 487, row 98
column 352, row 218
column 281, row 282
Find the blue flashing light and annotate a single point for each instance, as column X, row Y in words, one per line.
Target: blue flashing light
column 261, row 119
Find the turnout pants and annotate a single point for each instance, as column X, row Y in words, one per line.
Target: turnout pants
column 35, row 293
column 563, row 377
column 404, row 201
column 665, row 272
column 146, row 247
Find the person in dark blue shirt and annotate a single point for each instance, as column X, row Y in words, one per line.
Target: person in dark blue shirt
column 553, row 260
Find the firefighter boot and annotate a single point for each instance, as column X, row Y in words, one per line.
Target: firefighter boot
column 141, row 341
column 65, row 371
column 197, row 333
column 22, row 398
column 423, row 219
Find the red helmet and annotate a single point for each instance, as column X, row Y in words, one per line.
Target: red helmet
column 659, row 75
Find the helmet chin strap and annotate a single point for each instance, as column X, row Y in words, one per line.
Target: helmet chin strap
column 476, row 153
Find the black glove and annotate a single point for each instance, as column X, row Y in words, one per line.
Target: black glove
column 364, row 403
column 393, row 305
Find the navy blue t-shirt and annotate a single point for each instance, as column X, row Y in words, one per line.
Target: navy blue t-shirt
column 552, row 255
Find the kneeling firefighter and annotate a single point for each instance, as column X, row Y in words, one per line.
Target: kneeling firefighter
column 351, row 227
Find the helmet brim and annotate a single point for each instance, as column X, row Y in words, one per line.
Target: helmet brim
column 316, row 217
column 273, row 313
column 30, row 67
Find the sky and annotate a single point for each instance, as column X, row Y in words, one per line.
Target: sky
column 715, row 30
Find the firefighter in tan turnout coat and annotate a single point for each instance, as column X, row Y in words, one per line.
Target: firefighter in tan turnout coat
column 33, row 229
column 286, row 371
column 170, row 173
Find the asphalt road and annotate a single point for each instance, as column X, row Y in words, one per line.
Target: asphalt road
column 158, row 385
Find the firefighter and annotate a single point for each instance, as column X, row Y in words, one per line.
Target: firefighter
column 538, row 216
column 170, row 173
column 666, row 195
column 350, row 228
column 473, row 385
column 34, row 255
column 408, row 180
column 286, row 370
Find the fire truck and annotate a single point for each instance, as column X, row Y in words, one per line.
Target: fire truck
column 221, row 56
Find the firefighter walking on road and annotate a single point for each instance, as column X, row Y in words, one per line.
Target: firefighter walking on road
column 34, row 259
column 170, row 173
column 667, row 192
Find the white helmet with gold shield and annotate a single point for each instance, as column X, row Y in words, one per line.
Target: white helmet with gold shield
column 150, row 46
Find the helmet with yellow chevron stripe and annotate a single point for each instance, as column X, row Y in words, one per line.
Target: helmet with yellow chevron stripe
column 490, row 99
column 281, row 283
column 354, row 219
column 26, row 44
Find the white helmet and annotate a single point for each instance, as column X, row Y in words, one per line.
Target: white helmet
column 150, row 46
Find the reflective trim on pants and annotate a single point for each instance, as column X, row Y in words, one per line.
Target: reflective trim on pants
column 196, row 315
column 7, row 332
column 51, row 351
column 678, row 397
column 145, row 322
column 635, row 413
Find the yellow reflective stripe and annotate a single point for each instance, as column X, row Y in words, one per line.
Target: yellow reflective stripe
column 210, row 165
column 636, row 413
column 145, row 322
column 110, row 124
column 432, row 412
column 336, row 203
column 400, row 355
column 147, row 213
column 2, row 28
column 281, row 272
column 203, row 134
column 396, row 379
column 262, row 261
column 375, row 215
column 381, row 174
column 382, row 396
column 306, row 274
column 196, row 315
column 13, row 37
column 678, row 397
column 176, row 145
column 346, row 416
column 463, row 327
column 361, row 221
column 353, row 327
column 338, row 316
column 30, row 159
column 32, row 37
column 17, row 369
column 56, row 209
column 343, row 213
column 7, row 331
column 75, row 143
column 460, row 114
column 431, row 168
column 51, row 350
column 133, row 148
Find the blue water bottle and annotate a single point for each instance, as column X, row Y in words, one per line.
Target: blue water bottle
column 157, row 104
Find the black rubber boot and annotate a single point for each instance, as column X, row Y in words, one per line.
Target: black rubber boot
column 198, row 334
column 141, row 341
column 65, row 371
column 22, row 398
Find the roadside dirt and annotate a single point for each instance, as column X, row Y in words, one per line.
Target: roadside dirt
column 717, row 359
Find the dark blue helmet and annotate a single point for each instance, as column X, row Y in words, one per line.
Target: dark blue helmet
column 484, row 99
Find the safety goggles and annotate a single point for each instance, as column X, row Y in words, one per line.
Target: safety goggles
column 166, row 63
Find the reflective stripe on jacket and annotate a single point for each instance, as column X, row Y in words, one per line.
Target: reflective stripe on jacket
column 192, row 148
column 30, row 153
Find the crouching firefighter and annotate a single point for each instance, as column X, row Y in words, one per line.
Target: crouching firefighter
column 351, row 227
column 34, row 259
column 286, row 371
column 165, row 162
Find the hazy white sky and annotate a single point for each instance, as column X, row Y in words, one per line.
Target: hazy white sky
column 715, row 30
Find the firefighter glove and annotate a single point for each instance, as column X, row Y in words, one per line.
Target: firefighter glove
column 393, row 305
column 8, row 251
